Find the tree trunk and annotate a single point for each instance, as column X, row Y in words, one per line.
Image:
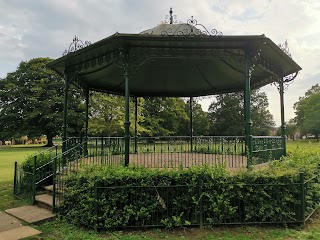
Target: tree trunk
column 49, row 138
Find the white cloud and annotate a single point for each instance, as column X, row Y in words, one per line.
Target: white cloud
column 45, row 28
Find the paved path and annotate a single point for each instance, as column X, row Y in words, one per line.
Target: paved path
column 14, row 222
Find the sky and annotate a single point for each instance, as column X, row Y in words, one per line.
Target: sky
column 45, row 28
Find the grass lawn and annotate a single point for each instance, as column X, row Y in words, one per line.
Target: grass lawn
column 60, row 229
column 304, row 144
column 11, row 154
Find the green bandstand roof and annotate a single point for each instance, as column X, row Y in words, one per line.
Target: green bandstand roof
column 176, row 60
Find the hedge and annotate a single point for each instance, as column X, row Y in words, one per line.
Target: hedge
column 110, row 197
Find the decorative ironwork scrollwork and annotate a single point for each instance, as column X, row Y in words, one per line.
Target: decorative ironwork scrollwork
column 287, row 80
column 284, row 47
column 192, row 27
column 254, row 59
column 76, row 45
column 193, row 22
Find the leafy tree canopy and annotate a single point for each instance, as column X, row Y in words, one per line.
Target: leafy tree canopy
column 307, row 111
column 107, row 115
column 31, row 102
column 201, row 122
column 226, row 114
column 165, row 116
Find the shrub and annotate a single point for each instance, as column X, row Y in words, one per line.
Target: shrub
column 116, row 196
column 44, row 166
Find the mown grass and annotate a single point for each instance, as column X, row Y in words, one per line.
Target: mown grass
column 7, row 200
column 60, row 229
column 11, row 154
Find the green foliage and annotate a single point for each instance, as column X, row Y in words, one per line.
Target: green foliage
column 31, row 101
column 307, row 111
column 43, row 166
column 165, row 116
column 109, row 197
column 107, row 115
column 291, row 129
column 226, row 114
column 201, row 122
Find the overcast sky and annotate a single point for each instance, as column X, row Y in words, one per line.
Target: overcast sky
column 45, row 28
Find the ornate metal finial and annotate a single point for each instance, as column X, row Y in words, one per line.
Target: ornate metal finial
column 284, row 47
column 75, row 46
column 171, row 17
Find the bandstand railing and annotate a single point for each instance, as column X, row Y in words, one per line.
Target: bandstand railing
column 184, row 151
column 266, row 148
column 152, row 152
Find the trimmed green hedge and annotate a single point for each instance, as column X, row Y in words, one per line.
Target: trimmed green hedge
column 111, row 196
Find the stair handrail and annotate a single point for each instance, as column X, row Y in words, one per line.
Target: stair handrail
column 36, row 168
column 62, row 166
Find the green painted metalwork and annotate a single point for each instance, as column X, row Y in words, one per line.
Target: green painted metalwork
column 87, row 119
column 127, row 111
column 221, row 57
column 15, row 178
column 247, row 112
column 302, row 198
column 191, row 122
column 96, row 207
column 200, row 183
column 65, row 113
column 54, row 183
column 175, row 152
column 266, row 148
column 76, row 45
column 23, row 184
column 283, row 127
column 136, row 126
column 34, row 179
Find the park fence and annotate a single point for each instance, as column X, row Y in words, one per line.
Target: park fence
column 202, row 204
column 50, row 166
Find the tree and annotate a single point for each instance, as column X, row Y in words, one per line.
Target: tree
column 200, row 120
column 107, row 115
column 307, row 111
column 291, row 129
column 261, row 117
column 165, row 116
column 31, row 102
column 226, row 114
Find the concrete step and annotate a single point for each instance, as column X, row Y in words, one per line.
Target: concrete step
column 19, row 233
column 45, row 201
column 32, row 214
column 49, row 189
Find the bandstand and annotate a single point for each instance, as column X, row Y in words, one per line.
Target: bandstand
column 179, row 60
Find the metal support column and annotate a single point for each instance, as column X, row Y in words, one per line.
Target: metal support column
column 87, row 122
column 247, row 112
column 65, row 115
column 136, row 126
column 191, row 122
column 283, row 126
column 127, row 114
